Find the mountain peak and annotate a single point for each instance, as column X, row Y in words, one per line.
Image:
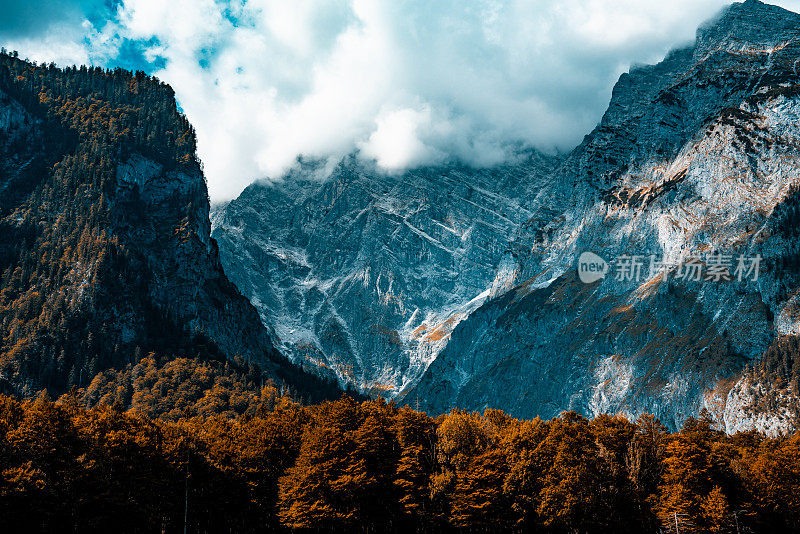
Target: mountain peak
column 746, row 26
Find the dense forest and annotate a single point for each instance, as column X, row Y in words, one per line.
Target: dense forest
column 64, row 270
column 96, row 271
column 200, row 448
column 58, row 172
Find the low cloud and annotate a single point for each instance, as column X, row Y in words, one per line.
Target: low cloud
column 405, row 82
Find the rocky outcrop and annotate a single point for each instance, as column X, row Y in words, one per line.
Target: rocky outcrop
column 172, row 236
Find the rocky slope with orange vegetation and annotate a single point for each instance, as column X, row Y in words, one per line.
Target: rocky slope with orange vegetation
column 450, row 287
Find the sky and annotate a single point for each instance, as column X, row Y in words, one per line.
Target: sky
column 403, row 83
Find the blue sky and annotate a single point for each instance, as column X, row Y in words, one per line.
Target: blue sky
column 404, row 82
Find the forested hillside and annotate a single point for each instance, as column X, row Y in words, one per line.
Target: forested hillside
column 105, row 248
column 374, row 467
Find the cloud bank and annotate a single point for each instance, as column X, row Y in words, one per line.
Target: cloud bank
column 404, row 82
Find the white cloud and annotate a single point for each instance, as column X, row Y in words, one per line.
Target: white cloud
column 407, row 82
column 396, row 143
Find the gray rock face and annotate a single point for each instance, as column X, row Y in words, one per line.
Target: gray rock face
column 172, row 235
column 451, row 287
column 365, row 275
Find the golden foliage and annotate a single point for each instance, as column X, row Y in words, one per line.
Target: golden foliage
column 368, row 466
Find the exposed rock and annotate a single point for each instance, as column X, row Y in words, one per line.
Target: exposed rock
column 453, row 287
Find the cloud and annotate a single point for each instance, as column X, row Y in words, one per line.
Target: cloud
column 405, row 82
column 396, row 143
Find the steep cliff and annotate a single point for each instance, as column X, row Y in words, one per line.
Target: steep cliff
column 105, row 247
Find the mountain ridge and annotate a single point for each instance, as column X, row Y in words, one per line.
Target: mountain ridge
column 695, row 153
column 626, row 199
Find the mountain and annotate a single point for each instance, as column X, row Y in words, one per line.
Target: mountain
column 364, row 275
column 455, row 287
column 695, row 154
column 105, row 247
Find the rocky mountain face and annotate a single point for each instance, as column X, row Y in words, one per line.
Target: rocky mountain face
column 105, row 246
column 363, row 275
column 455, row 287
